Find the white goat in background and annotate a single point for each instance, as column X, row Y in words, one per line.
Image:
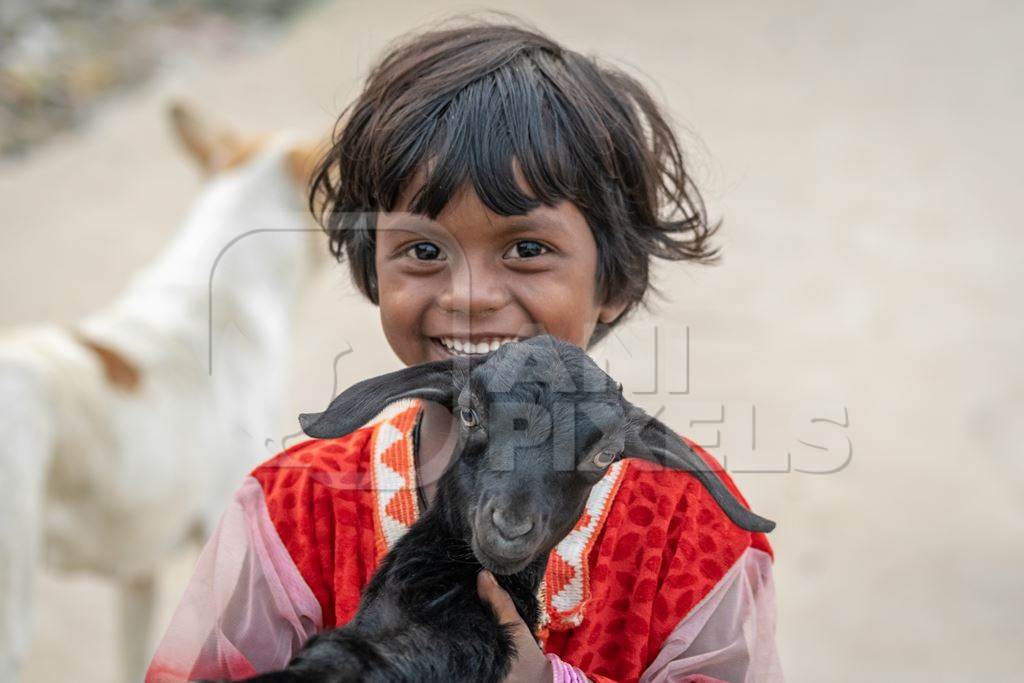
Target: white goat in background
column 120, row 441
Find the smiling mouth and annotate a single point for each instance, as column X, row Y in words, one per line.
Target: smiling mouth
column 452, row 346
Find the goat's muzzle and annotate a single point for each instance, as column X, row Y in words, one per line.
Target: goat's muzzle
column 504, row 541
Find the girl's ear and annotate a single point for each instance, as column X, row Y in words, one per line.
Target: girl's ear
column 439, row 381
column 649, row 439
column 610, row 311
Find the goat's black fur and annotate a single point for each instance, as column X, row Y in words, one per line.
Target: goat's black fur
column 420, row 618
column 531, row 404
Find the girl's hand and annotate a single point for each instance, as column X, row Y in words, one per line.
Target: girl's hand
column 531, row 666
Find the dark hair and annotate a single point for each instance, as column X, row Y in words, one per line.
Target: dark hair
column 473, row 97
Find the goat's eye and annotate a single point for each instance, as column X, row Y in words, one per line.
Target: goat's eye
column 468, row 417
column 605, row 458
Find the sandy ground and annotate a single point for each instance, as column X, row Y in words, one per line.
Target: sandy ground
column 867, row 165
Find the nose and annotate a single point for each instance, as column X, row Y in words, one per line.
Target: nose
column 475, row 289
column 508, row 526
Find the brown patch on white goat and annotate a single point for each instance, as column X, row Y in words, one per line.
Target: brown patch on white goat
column 118, row 370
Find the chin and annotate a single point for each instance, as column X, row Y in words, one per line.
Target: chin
column 499, row 566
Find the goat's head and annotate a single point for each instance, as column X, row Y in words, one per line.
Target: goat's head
column 540, row 423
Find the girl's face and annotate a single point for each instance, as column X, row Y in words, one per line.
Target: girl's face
column 474, row 278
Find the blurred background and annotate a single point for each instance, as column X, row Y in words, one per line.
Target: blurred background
column 865, row 159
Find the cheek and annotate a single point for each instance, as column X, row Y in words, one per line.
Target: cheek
column 402, row 306
column 562, row 302
column 575, row 498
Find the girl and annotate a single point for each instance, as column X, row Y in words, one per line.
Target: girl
column 489, row 185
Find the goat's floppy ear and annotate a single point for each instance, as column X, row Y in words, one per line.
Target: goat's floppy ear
column 438, row 381
column 649, row 439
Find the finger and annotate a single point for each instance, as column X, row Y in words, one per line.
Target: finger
column 489, row 591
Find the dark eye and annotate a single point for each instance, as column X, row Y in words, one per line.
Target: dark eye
column 468, row 417
column 526, row 249
column 425, row 251
column 605, row 458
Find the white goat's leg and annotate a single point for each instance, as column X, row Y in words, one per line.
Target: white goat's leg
column 137, row 597
column 26, row 446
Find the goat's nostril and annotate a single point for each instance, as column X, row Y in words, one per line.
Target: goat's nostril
column 509, row 528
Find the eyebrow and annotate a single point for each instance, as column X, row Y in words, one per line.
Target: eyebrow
column 527, row 223
column 413, row 223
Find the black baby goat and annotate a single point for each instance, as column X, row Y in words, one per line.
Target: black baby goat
column 540, row 425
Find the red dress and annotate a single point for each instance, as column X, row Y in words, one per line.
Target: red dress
column 654, row 582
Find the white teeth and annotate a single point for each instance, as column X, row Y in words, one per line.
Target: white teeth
column 466, row 346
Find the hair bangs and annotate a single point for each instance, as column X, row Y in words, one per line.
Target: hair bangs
column 494, row 126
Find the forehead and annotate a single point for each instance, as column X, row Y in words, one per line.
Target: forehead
column 560, row 381
column 577, row 424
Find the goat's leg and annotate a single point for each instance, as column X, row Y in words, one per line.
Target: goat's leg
column 403, row 656
column 339, row 656
column 330, row 656
column 26, row 446
column 137, row 597
column 346, row 656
